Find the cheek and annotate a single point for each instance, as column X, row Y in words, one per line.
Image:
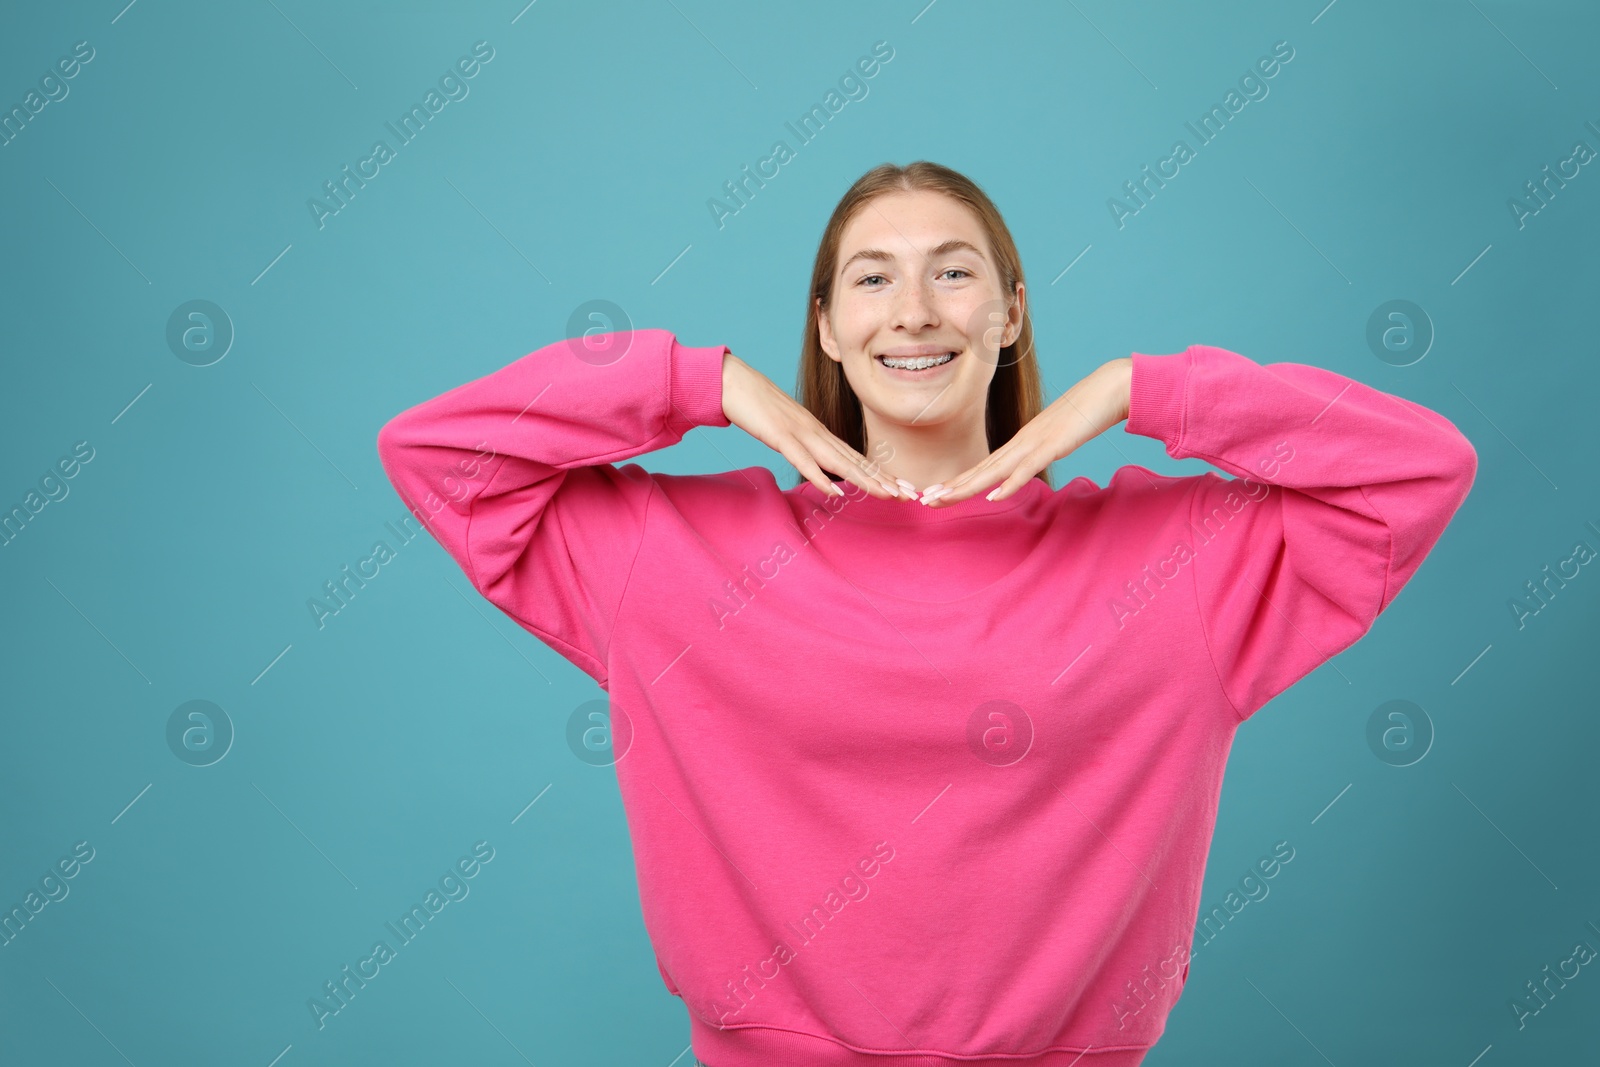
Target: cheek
column 854, row 317
column 983, row 321
column 850, row 340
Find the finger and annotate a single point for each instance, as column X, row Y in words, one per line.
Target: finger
column 991, row 473
column 816, row 477
column 979, row 476
column 850, row 465
column 1015, row 481
column 1028, row 466
column 815, row 459
column 871, row 467
column 809, row 470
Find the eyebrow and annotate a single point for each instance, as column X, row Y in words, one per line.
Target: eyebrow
column 952, row 245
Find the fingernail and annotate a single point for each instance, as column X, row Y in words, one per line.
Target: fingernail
column 905, row 485
column 892, row 490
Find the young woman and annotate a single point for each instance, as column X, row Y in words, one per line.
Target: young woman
column 920, row 756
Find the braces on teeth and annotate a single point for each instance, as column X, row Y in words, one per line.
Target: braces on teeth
column 917, row 362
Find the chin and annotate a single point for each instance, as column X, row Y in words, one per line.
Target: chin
column 916, row 413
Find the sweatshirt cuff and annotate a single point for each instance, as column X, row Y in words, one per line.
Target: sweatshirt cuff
column 695, row 386
column 1157, row 397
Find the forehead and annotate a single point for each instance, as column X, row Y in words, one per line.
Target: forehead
column 909, row 225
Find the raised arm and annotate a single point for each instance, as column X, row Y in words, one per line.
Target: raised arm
column 1349, row 488
column 512, row 474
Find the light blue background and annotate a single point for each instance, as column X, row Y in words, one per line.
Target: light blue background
column 375, row 751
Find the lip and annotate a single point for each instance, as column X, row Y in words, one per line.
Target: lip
column 909, row 351
column 906, row 351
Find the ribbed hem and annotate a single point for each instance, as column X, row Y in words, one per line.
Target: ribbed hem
column 695, row 386
column 1156, row 397
column 762, row 1046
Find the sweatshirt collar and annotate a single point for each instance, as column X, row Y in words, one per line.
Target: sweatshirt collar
column 859, row 504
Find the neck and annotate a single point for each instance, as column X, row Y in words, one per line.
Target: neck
column 926, row 455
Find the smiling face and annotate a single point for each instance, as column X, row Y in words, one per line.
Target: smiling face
column 915, row 277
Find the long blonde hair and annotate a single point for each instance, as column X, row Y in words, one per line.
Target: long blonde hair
column 1016, row 394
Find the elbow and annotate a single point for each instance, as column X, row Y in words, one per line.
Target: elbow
column 1455, row 463
column 390, row 445
column 390, row 439
column 395, row 442
column 399, row 435
column 1464, row 468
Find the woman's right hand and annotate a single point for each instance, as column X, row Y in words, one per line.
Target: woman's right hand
column 752, row 402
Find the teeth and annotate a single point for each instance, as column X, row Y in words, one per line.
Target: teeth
column 918, row 362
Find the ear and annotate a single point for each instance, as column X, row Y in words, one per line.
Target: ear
column 1014, row 316
column 825, row 333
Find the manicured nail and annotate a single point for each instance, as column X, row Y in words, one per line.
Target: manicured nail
column 905, row 485
column 892, row 490
column 990, row 494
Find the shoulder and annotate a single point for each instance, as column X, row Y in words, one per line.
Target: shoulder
column 1135, row 497
column 744, row 487
column 1131, row 483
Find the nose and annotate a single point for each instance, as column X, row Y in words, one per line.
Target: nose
column 915, row 307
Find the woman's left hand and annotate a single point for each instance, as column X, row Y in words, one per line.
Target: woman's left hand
column 1081, row 414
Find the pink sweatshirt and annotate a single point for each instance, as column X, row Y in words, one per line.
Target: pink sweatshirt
column 918, row 787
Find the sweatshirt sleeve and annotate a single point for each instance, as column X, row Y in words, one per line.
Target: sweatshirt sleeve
column 512, row 474
column 1340, row 491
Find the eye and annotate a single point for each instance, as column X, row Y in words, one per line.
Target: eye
column 862, row 280
column 957, row 270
